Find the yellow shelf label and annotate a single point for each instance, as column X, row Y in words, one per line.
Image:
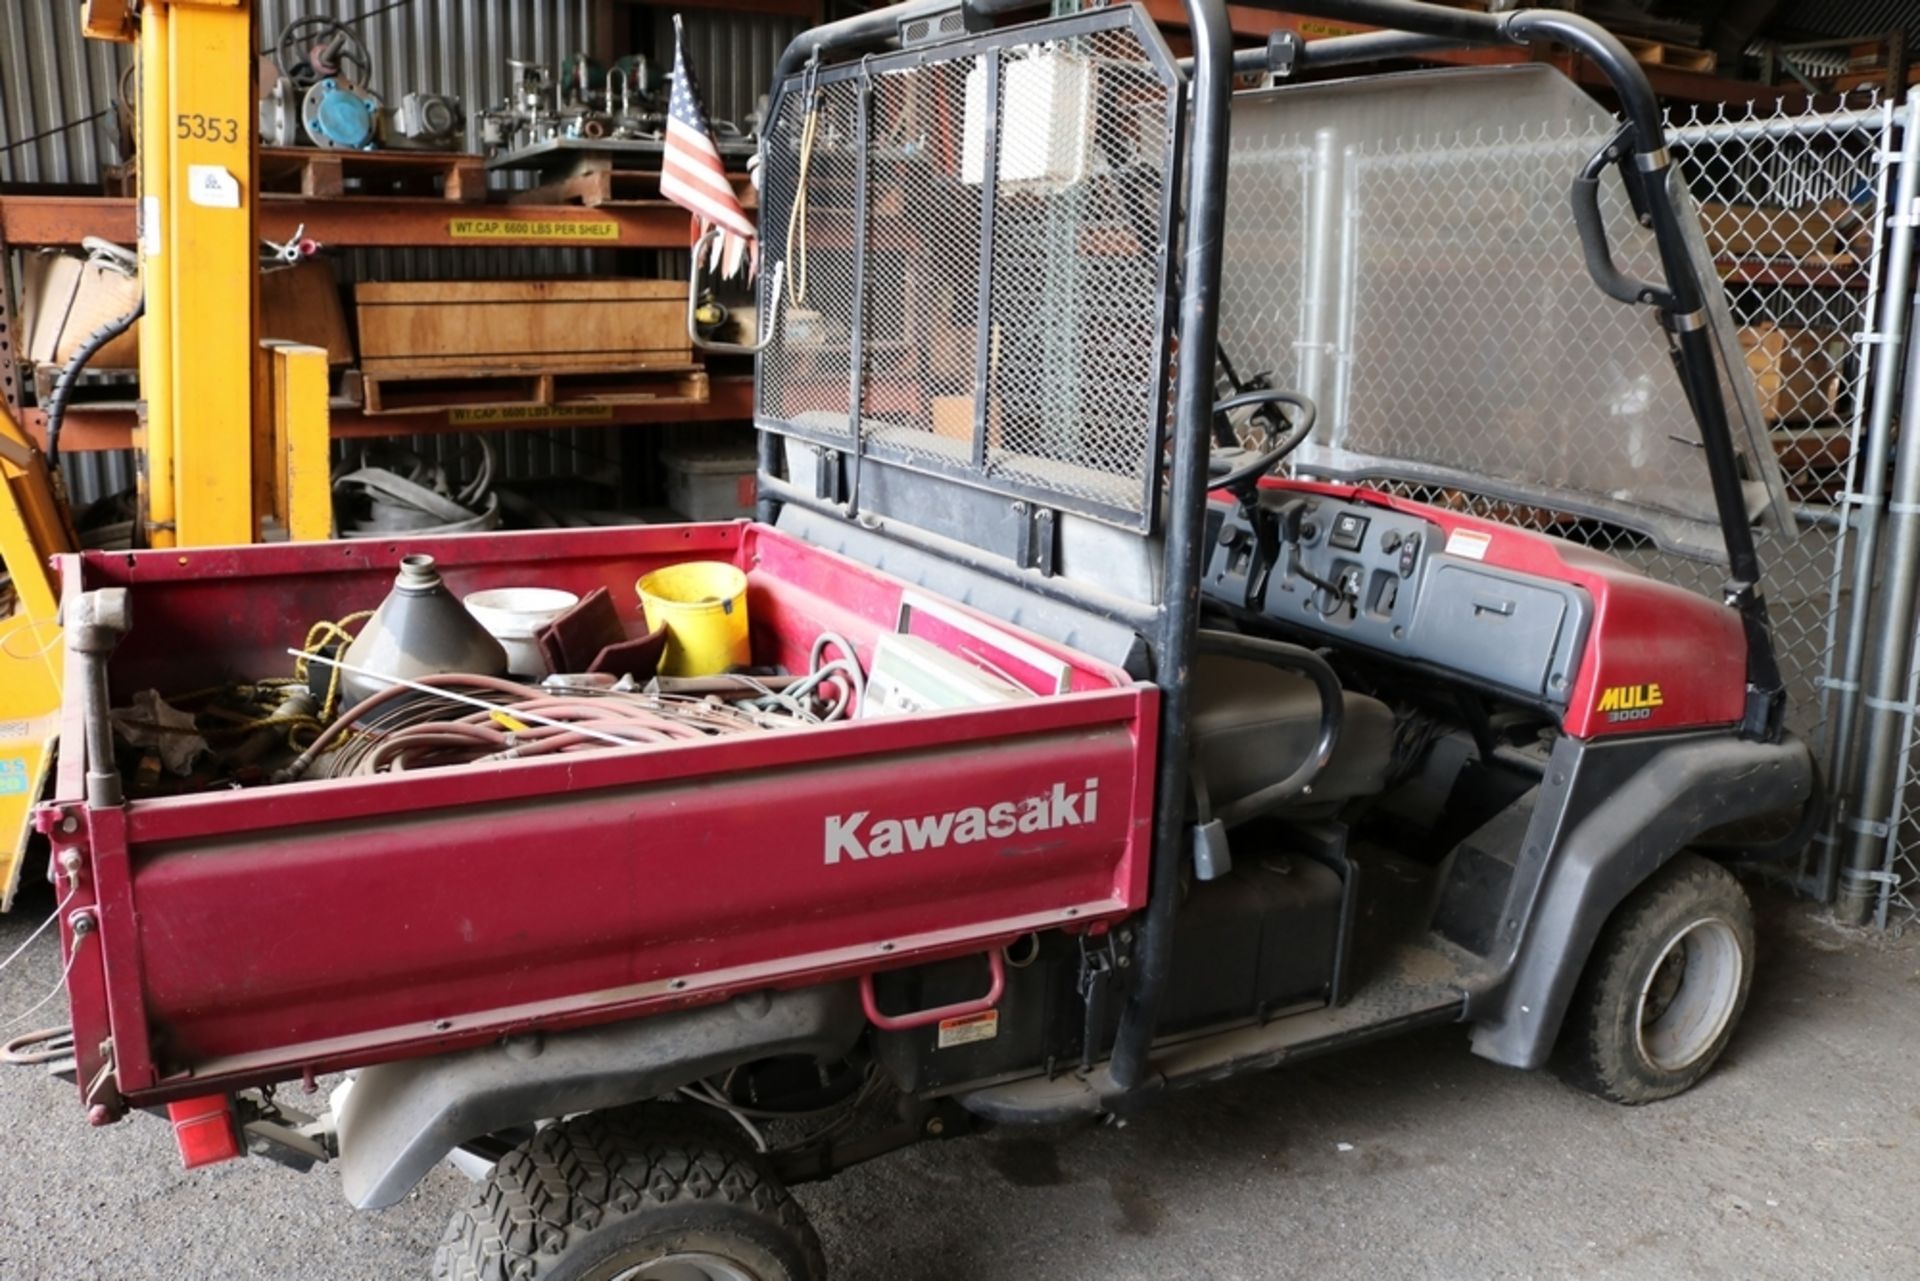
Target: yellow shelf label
column 530, row 414
column 531, row 229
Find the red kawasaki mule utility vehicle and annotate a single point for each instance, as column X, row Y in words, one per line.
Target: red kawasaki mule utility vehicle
column 1187, row 770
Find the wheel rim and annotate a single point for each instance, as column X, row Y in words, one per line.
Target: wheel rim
column 1688, row 997
column 687, row 1267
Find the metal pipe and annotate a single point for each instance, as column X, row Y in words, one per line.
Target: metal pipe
column 1522, row 26
column 1751, row 130
column 99, row 621
column 1346, row 306
column 1212, row 87
column 1337, row 51
column 856, row 325
column 1868, row 480
column 1464, row 26
column 1878, row 776
column 874, row 27
column 1323, row 215
column 1373, row 46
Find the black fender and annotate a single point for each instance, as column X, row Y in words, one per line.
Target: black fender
column 399, row 1120
column 1609, row 814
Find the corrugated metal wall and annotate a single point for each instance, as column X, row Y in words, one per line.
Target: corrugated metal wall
column 50, row 75
column 732, row 54
column 1847, row 17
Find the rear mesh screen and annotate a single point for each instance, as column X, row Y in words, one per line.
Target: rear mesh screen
column 970, row 242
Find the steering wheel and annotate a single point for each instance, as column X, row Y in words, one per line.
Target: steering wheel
column 1243, row 477
column 311, row 49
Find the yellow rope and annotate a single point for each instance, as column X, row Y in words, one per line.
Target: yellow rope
column 797, row 216
column 320, row 634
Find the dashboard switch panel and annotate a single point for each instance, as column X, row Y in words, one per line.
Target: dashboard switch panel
column 1381, row 580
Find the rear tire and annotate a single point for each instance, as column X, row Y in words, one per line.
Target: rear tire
column 1665, row 987
column 640, row 1194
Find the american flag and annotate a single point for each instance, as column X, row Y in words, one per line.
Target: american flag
column 691, row 172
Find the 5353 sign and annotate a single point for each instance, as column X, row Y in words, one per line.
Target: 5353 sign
column 206, row 128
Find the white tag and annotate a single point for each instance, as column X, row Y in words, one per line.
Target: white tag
column 150, row 237
column 968, row 1028
column 1470, row 543
column 213, row 186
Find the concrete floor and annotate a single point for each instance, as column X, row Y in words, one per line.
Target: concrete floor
column 1798, row 1158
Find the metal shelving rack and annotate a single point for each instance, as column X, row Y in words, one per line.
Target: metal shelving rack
column 374, row 222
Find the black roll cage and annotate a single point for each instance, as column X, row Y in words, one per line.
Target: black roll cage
column 1408, row 28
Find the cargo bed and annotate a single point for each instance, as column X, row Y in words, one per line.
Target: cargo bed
column 279, row 931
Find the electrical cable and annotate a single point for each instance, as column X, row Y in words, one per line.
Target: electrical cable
column 753, row 1131
column 842, row 1112
column 398, row 492
column 40, row 929
column 400, row 729
column 69, row 372
column 56, row 130
column 60, row 985
column 40, row 1046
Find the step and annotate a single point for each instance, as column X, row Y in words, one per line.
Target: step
column 1414, row 986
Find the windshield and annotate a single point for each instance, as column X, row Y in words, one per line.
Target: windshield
column 1403, row 250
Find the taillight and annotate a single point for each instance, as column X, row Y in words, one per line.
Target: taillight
column 206, row 1129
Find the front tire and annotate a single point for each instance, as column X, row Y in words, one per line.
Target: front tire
column 1665, row 987
column 633, row 1195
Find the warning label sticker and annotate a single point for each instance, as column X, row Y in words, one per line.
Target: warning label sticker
column 592, row 229
column 480, row 417
column 13, row 782
column 968, row 1028
column 1470, row 543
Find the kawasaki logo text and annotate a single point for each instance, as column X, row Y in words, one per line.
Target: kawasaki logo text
column 851, row 836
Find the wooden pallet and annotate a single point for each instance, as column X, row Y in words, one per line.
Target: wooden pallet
column 323, row 174
column 601, row 179
column 391, row 390
column 1658, row 53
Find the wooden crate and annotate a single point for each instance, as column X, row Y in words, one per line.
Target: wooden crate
column 1794, row 372
column 1660, row 53
column 538, row 325
column 1811, row 232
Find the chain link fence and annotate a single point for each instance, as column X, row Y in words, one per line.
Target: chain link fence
column 1793, row 209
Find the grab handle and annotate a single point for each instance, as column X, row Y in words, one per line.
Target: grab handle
column 696, row 282
column 925, row 1018
column 1592, row 228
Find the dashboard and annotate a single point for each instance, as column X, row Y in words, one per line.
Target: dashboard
column 1396, row 584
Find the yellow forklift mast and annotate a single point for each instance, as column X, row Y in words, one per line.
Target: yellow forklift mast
column 33, row 527
column 233, row 433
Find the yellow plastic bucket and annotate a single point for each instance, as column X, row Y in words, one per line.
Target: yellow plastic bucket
column 703, row 606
